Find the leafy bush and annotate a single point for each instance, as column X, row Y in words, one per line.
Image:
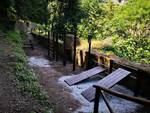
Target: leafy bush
column 97, row 16
column 131, row 31
column 128, row 25
column 14, row 37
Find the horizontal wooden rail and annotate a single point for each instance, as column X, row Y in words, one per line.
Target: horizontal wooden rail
column 100, row 64
column 101, row 90
column 126, row 97
column 127, row 66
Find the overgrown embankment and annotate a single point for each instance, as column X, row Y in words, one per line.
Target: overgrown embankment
column 20, row 90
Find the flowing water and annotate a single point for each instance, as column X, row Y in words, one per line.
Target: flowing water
column 38, row 61
column 118, row 105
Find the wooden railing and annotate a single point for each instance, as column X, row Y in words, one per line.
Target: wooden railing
column 101, row 91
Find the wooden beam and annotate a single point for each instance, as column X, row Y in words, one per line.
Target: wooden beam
column 48, row 43
column 57, row 36
column 74, row 55
column 124, row 96
column 96, row 101
column 106, row 101
column 64, row 49
column 81, row 58
column 53, row 45
column 89, row 52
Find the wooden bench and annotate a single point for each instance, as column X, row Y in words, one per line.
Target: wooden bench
column 84, row 75
column 107, row 82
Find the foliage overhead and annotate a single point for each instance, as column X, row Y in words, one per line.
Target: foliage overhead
column 33, row 10
column 127, row 24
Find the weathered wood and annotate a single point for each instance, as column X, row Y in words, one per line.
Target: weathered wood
column 106, row 101
column 74, row 52
column 108, row 82
column 64, row 49
column 53, row 45
column 84, row 75
column 89, row 52
column 48, row 43
column 81, row 58
column 138, row 100
column 96, row 101
column 111, row 66
column 57, row 36
column 138, row 83
column 100, row 91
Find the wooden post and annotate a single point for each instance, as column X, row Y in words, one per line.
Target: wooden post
column 74, row 56
column 48, row 44
column 110, row 65
column 138, row 83
column 64, row 55
column 89, row 52
column 57, row 36
column 106, row 102
column 103, row 60
column 96, row 101
column 81, row 58
column 53, row 45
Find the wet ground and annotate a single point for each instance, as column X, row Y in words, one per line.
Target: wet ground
column 12, row 100
column 66, row 99
column 118, row 105
column 49, row 72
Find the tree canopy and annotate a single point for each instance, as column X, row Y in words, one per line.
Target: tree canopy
column 126, row 24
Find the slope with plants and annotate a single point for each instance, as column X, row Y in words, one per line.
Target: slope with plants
column 26, row 94
column 128, row 25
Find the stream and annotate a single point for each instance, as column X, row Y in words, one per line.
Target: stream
column 118, row 105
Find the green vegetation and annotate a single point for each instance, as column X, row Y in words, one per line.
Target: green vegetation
column 127, row 25
column 27, row 81
column 131, row 31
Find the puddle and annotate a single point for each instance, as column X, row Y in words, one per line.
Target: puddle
column 118, row 105
column 38, row 62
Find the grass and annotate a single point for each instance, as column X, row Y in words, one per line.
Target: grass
column 27, row 80
column 96, row 44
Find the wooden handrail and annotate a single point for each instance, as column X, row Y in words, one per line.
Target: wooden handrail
column 127, row 66
column 126, row 97
column 110, row 68
column 101, row 90
column 106, row 101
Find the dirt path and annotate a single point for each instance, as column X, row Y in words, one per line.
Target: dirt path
column 12, row 100
column 59, row 96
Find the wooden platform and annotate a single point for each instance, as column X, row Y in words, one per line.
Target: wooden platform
column 107, row 82
column 84, row 75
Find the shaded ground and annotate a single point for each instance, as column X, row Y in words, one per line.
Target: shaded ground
column 12, row 100
column 59, row 96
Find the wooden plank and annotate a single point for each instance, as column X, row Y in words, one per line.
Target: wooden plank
column 107, row 82
column 84, row 75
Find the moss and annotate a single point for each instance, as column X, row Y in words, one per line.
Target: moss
column 27, row 81
column 14, row 37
